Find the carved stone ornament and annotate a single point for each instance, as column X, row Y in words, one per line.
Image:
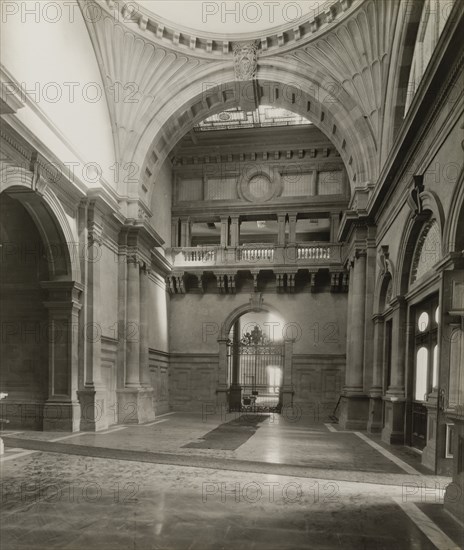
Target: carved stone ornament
column 245, row 60
column 384, row 261
column 415, row 199
column 38, row 182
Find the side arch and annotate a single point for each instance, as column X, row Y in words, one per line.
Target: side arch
column 431, row 208
column 61, row 243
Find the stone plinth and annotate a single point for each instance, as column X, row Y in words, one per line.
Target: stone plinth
column 135, row 405
column 354, row 412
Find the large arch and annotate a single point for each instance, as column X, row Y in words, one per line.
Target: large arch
column 342, row 94
column 340, row 119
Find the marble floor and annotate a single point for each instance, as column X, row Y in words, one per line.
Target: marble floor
column 290, row 485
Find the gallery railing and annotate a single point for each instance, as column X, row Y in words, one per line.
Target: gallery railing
column 292, row 254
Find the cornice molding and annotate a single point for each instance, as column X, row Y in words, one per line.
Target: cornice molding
column 214, row 45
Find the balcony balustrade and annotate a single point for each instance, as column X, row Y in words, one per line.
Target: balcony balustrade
column 300, row 254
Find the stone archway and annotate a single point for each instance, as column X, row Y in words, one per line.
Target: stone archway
column 255, row 304
column 40, row 356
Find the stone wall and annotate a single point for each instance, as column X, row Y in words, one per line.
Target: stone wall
column 317, row 322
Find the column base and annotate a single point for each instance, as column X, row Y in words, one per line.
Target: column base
column 454, row 500
column 61, row 416
column 135, row 405
column 93, row 410
column 429, row 454
column 24, row 415
column 286, row 396
column 393, row 430
column 374, row 424
column 222, row 397
column 235, row 398
column 354, row 412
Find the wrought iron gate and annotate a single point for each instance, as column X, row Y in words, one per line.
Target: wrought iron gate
column 255, row 372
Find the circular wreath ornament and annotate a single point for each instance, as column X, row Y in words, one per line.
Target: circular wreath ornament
column 258, row 187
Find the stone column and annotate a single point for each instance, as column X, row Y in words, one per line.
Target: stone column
column 235, row 399
column 185, row 232
column 286, row 398
column 374, row 424
column 93, row 397
column 313, row 188
column 334, row 225
column 369, row 288
column 145, row 378
column 62, row 411
column 234, row 231
column 454, row 500
column 354, row 373
column 224, row 232
column 393, row 431
column 2, row 447
column 174, row 232
column 281, row 222
column 292, row 228
column 355, row 404
column 133, row 324
column 135, row 403
column 222, row 387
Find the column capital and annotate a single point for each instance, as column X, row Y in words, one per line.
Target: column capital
column 95, row 233
column 134, row 259
column 378, row 318
column 63, row 291
column 398, row 302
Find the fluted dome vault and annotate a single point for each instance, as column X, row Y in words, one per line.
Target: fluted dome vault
column 339, row 66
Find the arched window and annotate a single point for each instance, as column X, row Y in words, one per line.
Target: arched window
column 427, row 252
column 426, row 366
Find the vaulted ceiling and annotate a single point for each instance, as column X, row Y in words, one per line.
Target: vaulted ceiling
column 332, row 69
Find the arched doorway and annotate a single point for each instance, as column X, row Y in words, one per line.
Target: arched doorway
column 255, row 364
column 23, row 316
column 39, row 315
column 255, row 359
